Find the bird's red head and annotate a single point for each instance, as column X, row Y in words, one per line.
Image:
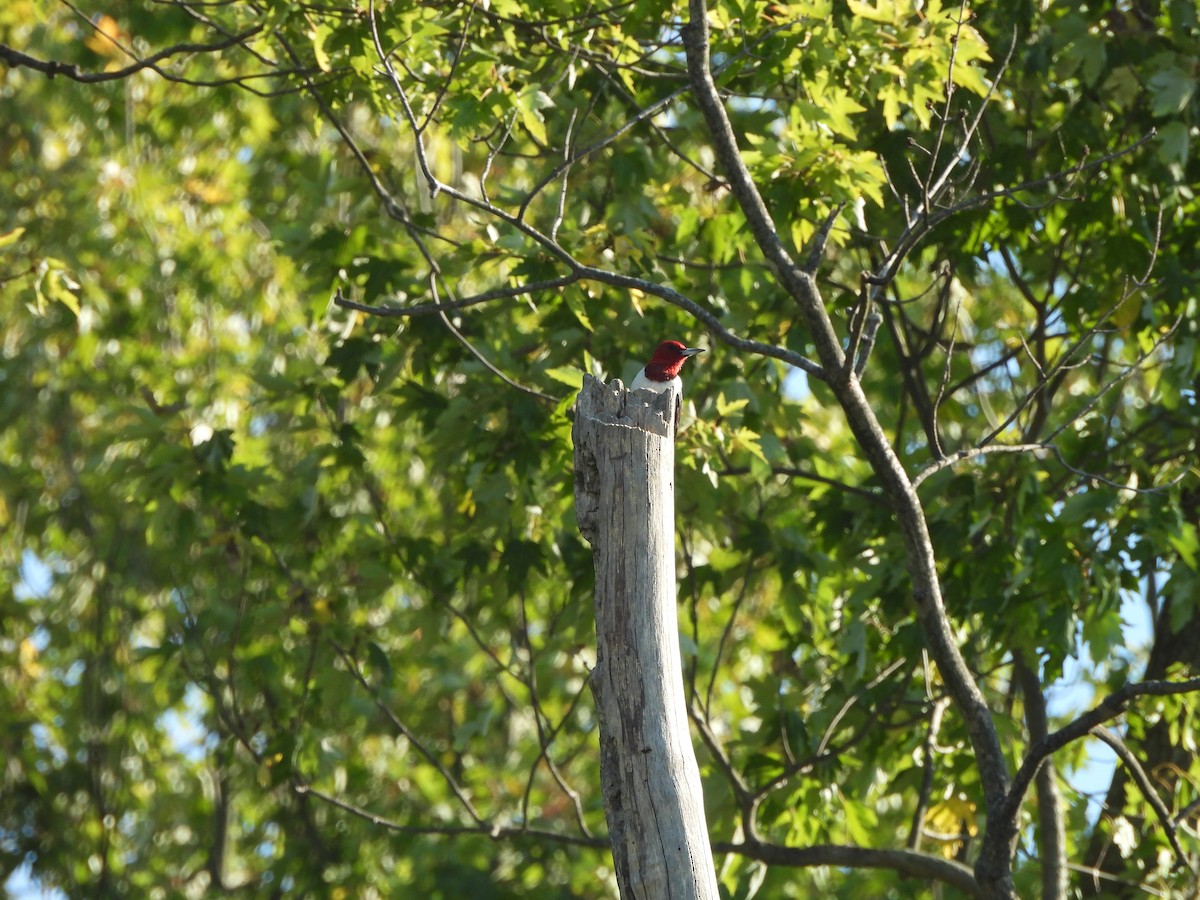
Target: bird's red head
column 668, row 359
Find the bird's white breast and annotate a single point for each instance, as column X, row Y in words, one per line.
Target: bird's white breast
column 642, row 383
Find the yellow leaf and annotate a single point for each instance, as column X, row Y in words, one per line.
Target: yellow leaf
column 27, row 657
column 947, row 821
column 745, row 439
column 318, row 35
column 11, row 237
column 107, row 38
column 206, row 191
column 322, row 612
column 467, row 504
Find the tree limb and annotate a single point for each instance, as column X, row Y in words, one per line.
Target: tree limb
column 1108, row 708
column 863, row 423
column 905, row 862
column 1143, row 781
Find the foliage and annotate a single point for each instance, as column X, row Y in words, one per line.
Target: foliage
column 295, row 599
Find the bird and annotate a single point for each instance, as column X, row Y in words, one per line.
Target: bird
column 661, row 374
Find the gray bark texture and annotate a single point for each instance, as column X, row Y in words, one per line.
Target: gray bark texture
column 625, row 503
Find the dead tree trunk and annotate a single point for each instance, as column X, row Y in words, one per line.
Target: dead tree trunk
column 625, row 502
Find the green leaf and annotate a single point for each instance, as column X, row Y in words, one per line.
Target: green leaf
column 1171, row 90
column 571, row 376
column 379, row 664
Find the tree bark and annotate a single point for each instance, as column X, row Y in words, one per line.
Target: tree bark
column 625, row 503
column 1052, row 828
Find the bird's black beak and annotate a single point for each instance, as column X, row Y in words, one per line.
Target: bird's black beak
column 692, row 351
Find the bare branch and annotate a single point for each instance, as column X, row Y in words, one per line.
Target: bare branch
column 903, row 862
column 970, row 453
column 424, row 309
column 923, row 221
column 793, row 472
column 725, row 633
column 492, row 830
column 872, row 321
column 1119, row 379
column 402, row 729
column 17, row 59
column 478, row 354
column 933, row 188
column 928, row 766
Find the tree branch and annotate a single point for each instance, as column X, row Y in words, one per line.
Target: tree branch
column 1052, row 835
column 16, row 59
column 904, row 862
column 1147, row 788
column 1108, row 708
column 494, row 831
column 863, row 423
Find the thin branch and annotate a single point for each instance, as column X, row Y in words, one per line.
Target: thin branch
column 561, row 210
column 793, row 472
column 541, row 721
column 922, row 223
column 1051, row 834
column 478, row 354
column 821, row 238
column 934, row 191
column 1040, row 449
column 16, row 59
column 407, row 733
column 1116, row 380
column 874, row 319
column 904, row 862
column 745, row 799
column 970, row 453
column 579, row 155
column 946, row 369
column 1147, row 788
column 826, row 752
column 494, row 831
column 928, row 766
column 725, row 633
column 392, row 206
column 424, row 309
column 616, row 279
column 1107, row 709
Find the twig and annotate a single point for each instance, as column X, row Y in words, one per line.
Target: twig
column 821, row 238
column 971, row 452
column 17, row 59
column 1051, row 836
column 874, row 319
column 407, row 733
column 928, row 765
column 478, row 354
column 904, row 862
column 491, row 830
column 921, row 223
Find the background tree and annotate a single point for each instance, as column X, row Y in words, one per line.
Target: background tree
column 296, row 601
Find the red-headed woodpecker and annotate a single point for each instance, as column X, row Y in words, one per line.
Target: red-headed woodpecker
column 661, row 374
